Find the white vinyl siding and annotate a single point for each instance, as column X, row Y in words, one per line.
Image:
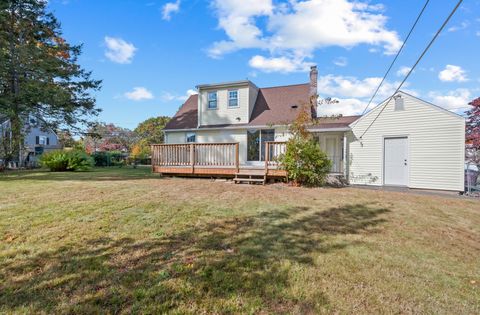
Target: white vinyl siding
column 436, row 140
column 223, row 136
column 226, row 113
column 175, row 137
column 252, row 98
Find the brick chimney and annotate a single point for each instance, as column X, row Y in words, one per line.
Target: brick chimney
column 313, row 90
column 313, row 80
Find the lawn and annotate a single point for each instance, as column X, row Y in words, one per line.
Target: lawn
column 127, row 241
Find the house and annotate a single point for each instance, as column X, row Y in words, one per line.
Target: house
column 236, row 128
column 38, row 139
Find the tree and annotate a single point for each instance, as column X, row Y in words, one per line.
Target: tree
column 473, row 131
column 108, row 137
column 150, row 132
column 39, row 73
column 65, row 139
column 304, row 161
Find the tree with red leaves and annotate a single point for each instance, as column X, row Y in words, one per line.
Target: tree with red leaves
column 108, row 137
column 473, row 131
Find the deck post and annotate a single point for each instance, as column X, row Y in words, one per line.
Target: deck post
column 192, row 157
column 237, row 160
column 267, row 155
column 152, row 160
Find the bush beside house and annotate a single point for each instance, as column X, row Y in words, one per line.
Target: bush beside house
column 62, row 161
column 304, row 160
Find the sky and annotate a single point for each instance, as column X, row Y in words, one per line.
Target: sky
column 151, row 54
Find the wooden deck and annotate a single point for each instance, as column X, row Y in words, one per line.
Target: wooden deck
column 212, row 160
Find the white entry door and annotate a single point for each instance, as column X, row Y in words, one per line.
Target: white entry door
column 331, row 151
column 396, row 161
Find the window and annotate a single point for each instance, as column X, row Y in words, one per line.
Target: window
column 233, row 98
column 399, row 103
column 42, row 140
column 256, row 143
column 190, row 137
column 212, row 100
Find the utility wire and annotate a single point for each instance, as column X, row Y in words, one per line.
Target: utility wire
column 416, row 63
column 396, row 57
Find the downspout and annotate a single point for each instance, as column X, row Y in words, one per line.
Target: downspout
column 199, row 108
column 345, row 157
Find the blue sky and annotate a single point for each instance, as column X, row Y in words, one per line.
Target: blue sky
column 151, row 54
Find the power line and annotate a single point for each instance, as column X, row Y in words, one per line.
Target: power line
column 397, row 55
column 416, row 63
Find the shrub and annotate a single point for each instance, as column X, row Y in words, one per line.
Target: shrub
column 62, row 161
column 112, row 158
column 305, row 162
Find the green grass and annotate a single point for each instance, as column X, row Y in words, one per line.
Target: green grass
column 127, row 241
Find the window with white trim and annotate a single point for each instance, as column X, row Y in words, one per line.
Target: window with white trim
column 212, row 100
column 42, row 140
column 190, row 137
column 233, row 98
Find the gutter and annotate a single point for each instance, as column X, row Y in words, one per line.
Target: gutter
column 257, row 127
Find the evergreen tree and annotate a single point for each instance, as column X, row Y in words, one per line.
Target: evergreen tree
column 473, row 130
column 39, row 73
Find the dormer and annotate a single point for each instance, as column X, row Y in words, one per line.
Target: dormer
column 226, row 103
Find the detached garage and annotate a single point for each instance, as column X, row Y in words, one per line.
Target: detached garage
column 407, row 142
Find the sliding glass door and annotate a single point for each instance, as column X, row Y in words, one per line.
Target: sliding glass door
column 256, row 143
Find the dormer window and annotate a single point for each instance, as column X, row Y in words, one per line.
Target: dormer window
column 233, row 98
column 32, row 120
column 212, row 100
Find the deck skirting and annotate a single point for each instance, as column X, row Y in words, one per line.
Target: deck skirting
column 209, row 171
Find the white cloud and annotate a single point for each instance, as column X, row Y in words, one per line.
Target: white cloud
column 298, row 28
column 168, row 97
column 403, row 71
column 477, row 33
column 345, row 107
column 332, row 23
column 459, row 27
column 351, row 87
column 279, row 64
column 236, row 18
column 169, row 9
column 139, row 94
column 340, row 61
column 118, row 50
column 452, row 73
column 456, row 100
column 352, row 93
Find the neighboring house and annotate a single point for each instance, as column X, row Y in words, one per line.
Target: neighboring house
column 37, row 139
column 236, row 127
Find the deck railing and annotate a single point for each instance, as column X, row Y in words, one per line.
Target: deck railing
column 196, row 154
column 221, row 155
column 273, row 150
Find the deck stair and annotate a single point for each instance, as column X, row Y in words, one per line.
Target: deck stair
column 250, row 176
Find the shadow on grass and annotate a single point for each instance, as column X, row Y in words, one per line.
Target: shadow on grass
column 235, row 265
column 96, row 174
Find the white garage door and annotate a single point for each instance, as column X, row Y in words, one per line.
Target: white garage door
column 396, row 161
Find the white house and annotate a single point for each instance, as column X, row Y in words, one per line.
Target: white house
column 236, row 127
column 37, row 139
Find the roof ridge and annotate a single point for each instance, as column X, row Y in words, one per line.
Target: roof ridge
column 280, row 86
